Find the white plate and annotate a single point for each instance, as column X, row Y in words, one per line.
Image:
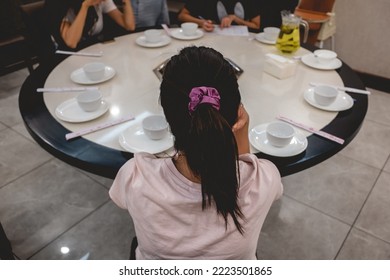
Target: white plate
column 70, row 111
column 343, row 101
column 178, row 34
column 261, row 38
column 134, row 140
column 78, row 76
column 311, row 61
column 258, row 139
column 141, row 41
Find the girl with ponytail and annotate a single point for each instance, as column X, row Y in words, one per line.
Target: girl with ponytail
column 210, row 200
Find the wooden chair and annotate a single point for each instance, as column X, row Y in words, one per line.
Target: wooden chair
column 14, row 54
column 321, row 18
column 37, row 33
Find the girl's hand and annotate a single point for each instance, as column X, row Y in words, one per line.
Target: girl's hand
column 208, row 25
column 240, row 130
column 89, row 3
column 227, row 21
column 242, row 119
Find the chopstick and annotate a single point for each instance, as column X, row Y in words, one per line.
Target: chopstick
column 79, row 53
column 66, row 89
column 88, row 130
column 349, row 89
column 312, row 130
column 166, row 29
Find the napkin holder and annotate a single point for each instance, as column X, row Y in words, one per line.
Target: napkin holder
column 279, row 66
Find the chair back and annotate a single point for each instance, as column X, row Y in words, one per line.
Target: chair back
column 322, row 6
column 320, row 17
column 37, row 32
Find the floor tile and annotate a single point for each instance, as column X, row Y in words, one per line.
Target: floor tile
column 9, row 111
column 375, row 216
column 12, row 81
column 295, row 231
column 40, row 206
column 362, row 246
column 18, row 156
column 371, row 145
column 105, row 234
column 378, row 107
column 338, row 187
column 20, row 128
column 106, row 182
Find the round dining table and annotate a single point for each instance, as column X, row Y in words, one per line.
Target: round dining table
column 130, row 90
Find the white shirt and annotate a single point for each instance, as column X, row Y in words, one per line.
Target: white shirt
column 166, row 209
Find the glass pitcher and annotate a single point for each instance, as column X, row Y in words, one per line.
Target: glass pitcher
column 288, row 40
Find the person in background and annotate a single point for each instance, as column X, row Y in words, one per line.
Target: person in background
column 209, row 200
column 77, row 23
column 206, row 13
column 270, row 11
column 150, row 13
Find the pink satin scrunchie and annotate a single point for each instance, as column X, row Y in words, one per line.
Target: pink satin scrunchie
column 199, row 95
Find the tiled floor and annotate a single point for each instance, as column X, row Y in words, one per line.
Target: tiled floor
column 339, row 209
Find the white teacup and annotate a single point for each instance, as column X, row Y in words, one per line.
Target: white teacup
column 271, row 33
column 155, row 126
column 89, row 100
column 153, row 35
column 189, row 28
column 95, row 70
column 279, row 134
column 325, row 56
column 325, row 95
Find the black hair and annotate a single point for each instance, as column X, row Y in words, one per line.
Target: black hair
column 205, row 136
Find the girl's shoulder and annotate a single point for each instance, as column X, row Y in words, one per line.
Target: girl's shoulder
column 252, row 166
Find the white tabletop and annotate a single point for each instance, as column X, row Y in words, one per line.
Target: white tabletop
column 134, row 90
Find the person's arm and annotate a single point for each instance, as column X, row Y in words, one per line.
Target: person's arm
column 71, row 32
column 254, row 23
column 185, row 16
column 125, row 19
column 240, row 131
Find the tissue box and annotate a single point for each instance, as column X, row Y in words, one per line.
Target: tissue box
column 279, row 66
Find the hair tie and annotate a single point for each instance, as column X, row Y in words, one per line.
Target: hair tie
column 199, row 95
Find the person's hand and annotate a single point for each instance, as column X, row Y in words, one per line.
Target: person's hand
column 208, row 25
column 242, row 119
column 227, row 21
column 240, row 130
column 89, row 3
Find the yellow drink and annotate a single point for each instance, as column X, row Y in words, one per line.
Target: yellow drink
column 288, row 40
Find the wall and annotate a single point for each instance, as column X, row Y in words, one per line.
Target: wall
column 363, row 35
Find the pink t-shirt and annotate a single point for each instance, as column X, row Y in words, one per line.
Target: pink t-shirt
column 166, row 209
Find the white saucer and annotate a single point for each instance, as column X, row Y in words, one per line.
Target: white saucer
column 70, row 111
column 134, row 140
column 258, row 139
column 261, row 38
column 311, row 61
column 78, row 76
column 178, row 34
column 141, row 41
column 343, row 101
